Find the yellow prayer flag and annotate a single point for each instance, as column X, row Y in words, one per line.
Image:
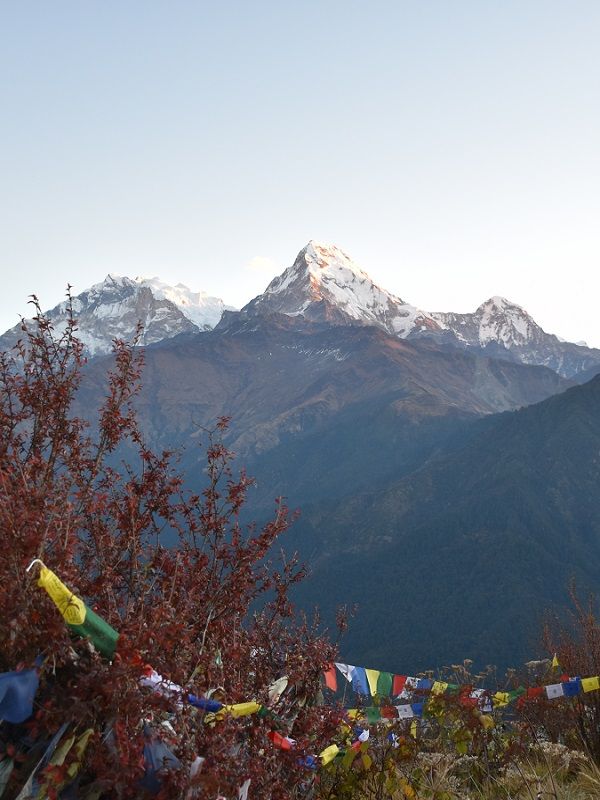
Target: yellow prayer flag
column 241, row 709
column 372, row 678
column 501, row 699
column 329, row 754
column 555, row 661
column 590, row 684
column 487, row 721
column 439, row 687
column 70, row 606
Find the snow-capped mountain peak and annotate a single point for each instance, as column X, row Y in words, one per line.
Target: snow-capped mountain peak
column 113, row 308
column 199, row 307
column 505, row 322
column 497, row 320
column 324, row 283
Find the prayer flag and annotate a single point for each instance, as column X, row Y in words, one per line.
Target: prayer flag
column 384, row 684
column 242, row 709
column 78, row 616
column 501, row 699
column 205, row 703
column 555, row 663
column 359, row 681
column 590, row 684
column 157, row 757
column 439, row 687
column 17, row 691
column 346, row 670
column 398, row 685
column 405, row 711
column 572, row 687
column 331, row 678
column 282, row 742
column 554, row 690
column 329, row 754
column 372, row 678
column 535, row 691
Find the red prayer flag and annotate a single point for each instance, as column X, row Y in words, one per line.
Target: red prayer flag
column 330, row 676
column 398, row 685
column 535, row 691
column 283, row 742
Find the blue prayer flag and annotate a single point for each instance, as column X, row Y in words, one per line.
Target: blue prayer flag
column 359, row 681
column 571, row 687
column 417, row 709
column 205, row 704
column 17, row 691
column 157, row 757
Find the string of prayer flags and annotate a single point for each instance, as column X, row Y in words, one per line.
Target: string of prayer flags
column 405, row 687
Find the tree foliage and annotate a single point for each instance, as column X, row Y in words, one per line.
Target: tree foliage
column 211, row 614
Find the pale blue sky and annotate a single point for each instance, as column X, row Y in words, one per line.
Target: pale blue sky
column 450, row 147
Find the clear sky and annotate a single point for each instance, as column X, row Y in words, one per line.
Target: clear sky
column 452, row 148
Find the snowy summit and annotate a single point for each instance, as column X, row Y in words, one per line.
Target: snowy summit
column 324, row 283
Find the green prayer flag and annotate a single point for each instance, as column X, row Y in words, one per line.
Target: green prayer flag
column 384, row 684
column 516, row 693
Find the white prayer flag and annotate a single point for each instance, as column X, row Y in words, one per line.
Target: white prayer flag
column 405, row 712
column 346, row 670
column 554, row 690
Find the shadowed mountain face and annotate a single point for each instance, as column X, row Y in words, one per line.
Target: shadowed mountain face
column 418, row 501
column 281, row 379
column 460, row 558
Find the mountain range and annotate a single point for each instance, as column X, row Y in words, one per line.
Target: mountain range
column 322, row 285
column 446, row 465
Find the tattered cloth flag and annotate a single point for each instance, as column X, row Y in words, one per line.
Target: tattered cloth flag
column 78, row 616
